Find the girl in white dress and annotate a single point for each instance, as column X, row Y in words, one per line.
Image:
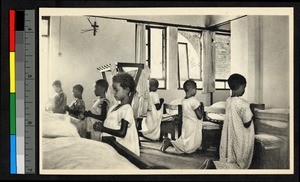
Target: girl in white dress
column 237, row 140
column 192, row 117
column 99, row 110
column 120, row 121
column 154, row 113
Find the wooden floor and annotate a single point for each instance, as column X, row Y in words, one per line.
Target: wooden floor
column 150, row 151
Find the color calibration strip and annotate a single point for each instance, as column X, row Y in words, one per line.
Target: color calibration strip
column 12, row 69
column 22, row 91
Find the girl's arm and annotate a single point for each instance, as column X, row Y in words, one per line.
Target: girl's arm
column 100, row 117
column 74, row 112
column 119, row 133
column 248, row 116
column 247, row 125
column 158, row 106
column 200, row 111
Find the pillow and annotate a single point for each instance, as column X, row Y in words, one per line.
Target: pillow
column 58, row 125
column 219, row 104
column 268, row 140
column 214, row 116
column 173, row 109
column 218, row 107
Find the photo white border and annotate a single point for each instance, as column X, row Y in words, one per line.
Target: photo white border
column 287, row 11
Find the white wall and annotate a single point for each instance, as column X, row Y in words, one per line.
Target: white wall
column 275, row 60
column 239, row 49
column 81, row 54
column 260, row 52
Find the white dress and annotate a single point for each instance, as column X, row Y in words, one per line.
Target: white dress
column 191, row 137
column 113, row 121
column 153, row 119
column 237, row 142
column 96, row 109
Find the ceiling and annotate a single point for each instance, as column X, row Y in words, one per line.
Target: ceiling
column 204, row 21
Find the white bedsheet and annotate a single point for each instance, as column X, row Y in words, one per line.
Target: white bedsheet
column 80, row 153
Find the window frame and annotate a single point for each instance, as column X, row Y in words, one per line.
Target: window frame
column 218, row 80
column 164, row 53
column 201, row 61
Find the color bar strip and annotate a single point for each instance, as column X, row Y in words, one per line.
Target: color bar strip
column 12, row 113
column 12, row 22
column 12, row 69
column 13, row 159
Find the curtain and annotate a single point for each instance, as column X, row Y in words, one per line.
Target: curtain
column 208, row 62
column 140, row 43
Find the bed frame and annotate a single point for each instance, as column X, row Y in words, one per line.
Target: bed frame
column 133, row 158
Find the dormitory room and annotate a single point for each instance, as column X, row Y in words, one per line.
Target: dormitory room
column 165, row 92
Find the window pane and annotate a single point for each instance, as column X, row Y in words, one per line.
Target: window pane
column 192, row 39
column 44, row 28
column 222, row 56
column 220, row 85
column 156, row 53
column 183, row 61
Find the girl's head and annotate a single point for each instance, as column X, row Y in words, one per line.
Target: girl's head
column 57, row 86
column 153, row 85
column 77, row 91
column 190, row 87
column 237, row 83
column 123, row 85
column 101, row 87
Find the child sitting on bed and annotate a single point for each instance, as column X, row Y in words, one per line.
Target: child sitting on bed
column 192, row 116
column 237, row 140
column 120, row 121
column 77, row 106
column 98, row 111
column 154, row 113
column 59, row 100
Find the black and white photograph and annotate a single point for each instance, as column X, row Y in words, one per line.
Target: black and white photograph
column 166, row 90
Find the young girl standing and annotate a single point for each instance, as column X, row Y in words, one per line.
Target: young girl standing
column 120, row 121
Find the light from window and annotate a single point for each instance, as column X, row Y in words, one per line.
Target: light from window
column 156, row 52
column 222, row 60
column 189, row 57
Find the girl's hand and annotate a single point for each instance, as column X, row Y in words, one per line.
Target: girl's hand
column 67, row 108
column 98, row 126
column 87, row 113
column 161, row 100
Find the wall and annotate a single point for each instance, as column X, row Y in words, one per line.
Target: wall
column 260, row 52
column 239, row 49
column 275, row 60
column 82, row 53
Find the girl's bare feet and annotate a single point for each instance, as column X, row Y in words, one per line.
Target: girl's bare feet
column 165, row 144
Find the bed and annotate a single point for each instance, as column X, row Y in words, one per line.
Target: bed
column 62, row 148
column 212, row 125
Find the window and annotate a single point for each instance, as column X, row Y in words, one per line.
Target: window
column 222, row 60
column 156, row 53
column 45, row 27
column 189, row 57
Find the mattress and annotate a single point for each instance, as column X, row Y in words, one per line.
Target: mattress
column 80, row 153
